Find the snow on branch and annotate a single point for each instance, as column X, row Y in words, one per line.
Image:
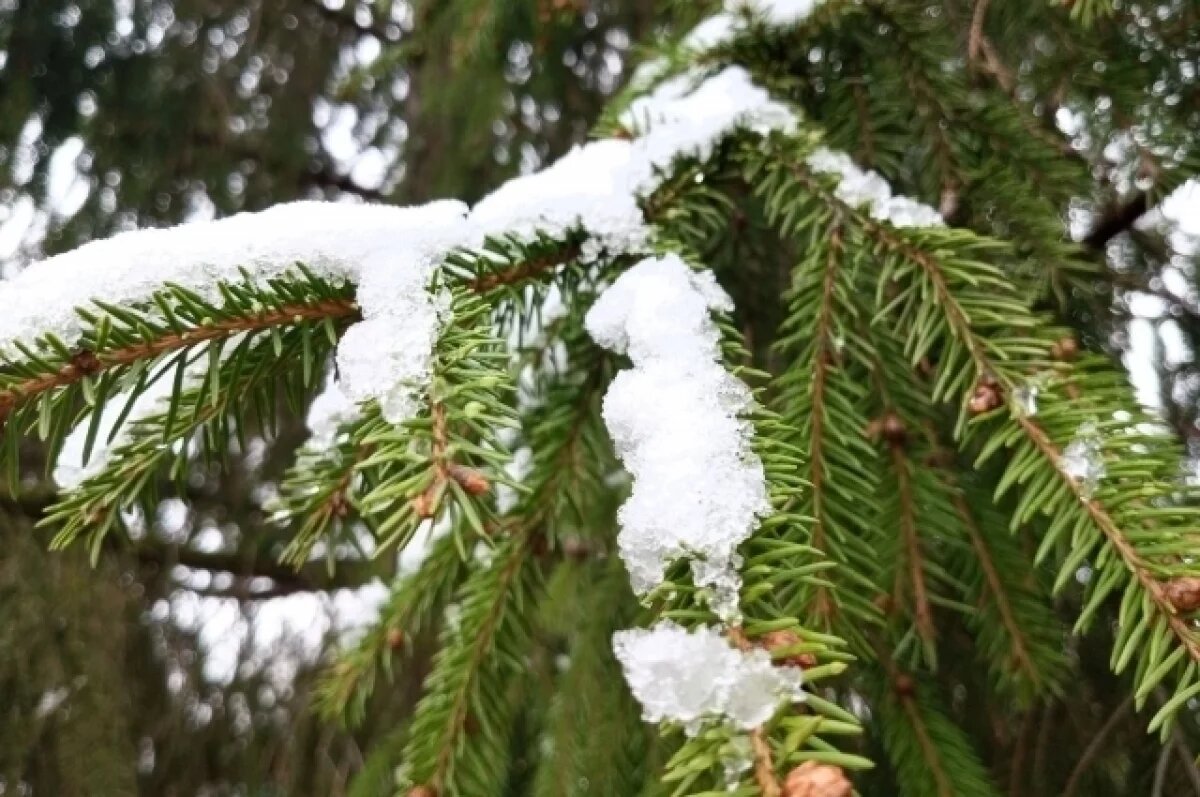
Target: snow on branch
column 693, row 676
column 721, row 28
column 676, row 419
column 859, row 187
column 389, row 253
column 598, row 188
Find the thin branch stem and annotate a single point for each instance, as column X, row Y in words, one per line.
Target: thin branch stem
column 1179, row 626
column 530, row 268
column 908, row 702
column 481, row 647
column 1096, row 746
column 975, row 39
column 86, row 364
column 825, row 603
column 764, row 762
column 992, row 579
column 922, row 611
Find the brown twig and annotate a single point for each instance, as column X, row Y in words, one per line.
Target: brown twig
column 764, row 762
column 530, row 268
column 1096, row 746
column 922, row 611
column 975, row 38
column 992, row 579
column 445, row 470
column 826, row 606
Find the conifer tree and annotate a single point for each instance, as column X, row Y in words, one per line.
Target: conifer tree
column 781, row 416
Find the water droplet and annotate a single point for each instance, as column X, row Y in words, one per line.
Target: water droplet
column 1025, row 398
column 1083, row 460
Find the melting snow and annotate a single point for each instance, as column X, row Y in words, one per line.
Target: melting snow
column 693, row 676
column 675, row 419
column 863, row 188
column 597, row 187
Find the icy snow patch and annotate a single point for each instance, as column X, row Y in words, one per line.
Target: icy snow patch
column 698, row 489
column 693, row 676
column 722, row 28
column 591, row 186
column 864, row 188
column 713, row 32
column 676, row 119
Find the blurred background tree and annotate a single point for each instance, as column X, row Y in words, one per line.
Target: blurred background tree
column 135, row 113
column 126, row 113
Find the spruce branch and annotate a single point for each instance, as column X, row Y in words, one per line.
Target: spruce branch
column 483, row 647
column 230, row 393
column 911, row 579
column 930, row 754
column 997, row 595
column 86, row 363
column 412, row 609
column 1141, row 570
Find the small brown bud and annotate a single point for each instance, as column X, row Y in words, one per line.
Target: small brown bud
column 904, row 685
column 778, row 640
column 339, row 504
column 470, row 480
column 893, row 429
column 925, row 367
column 889, row 427
column 1184, row 593
column 986, row 398
column 1065, row 348
column 812, row 779
column 471, row 724
column 1073, row 390
column 85, row 361
column 576, row 548
column 395, row 638
column 424, row 504
column 422, row 791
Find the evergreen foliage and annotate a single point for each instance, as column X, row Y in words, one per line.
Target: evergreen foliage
column 970, row 512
